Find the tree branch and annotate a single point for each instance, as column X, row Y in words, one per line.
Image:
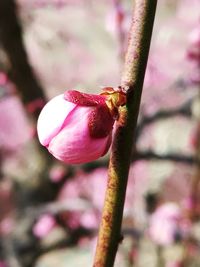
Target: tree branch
column 19, row 69
column 184, row 110
column 132, row 81
column 175, row 157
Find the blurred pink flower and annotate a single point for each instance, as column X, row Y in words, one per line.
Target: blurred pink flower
column 92, row 186
column 3, row 78
column 88, row 187
column 71, row 219
column 44, row 225
column 174, row 264
column 138, row 183
column 164, row 222
column 34, row 105
column 193, row 52
column 89, row 220
column 6, row 225
column 57, row 173
column 71, row 189
column 14, row 126
column 187, row 203
column 115, row 18
column 2, row 264
column 76, row 127
column 194, row 137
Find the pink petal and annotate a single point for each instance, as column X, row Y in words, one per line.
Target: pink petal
column 52, row 117
column 73, row 143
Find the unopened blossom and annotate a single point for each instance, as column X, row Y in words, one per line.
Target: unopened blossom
column 77, row 127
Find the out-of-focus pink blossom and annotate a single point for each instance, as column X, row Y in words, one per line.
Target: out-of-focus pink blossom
column 57, row 173
column 14, row 126
column 138, row 182
column 193, row 52
column 35, row 105
column 194, row 137
column 188, row 203
column 6, row 225
column 174, row 264
column 88, row 186
column 115, row 18
column 164, row 222
column 89, row 220
column 3, row 78
column 45, row 3
column 76, row 127
column 92, row 186
column 195, row 36
column 44, row 225
column 2, row 264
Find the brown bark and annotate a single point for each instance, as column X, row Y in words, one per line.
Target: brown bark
column 19, row 69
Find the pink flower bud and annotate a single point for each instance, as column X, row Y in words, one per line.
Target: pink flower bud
column 76, row 127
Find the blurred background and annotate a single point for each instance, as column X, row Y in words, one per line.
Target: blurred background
column 50, row 212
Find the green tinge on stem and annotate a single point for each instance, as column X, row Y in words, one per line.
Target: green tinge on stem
column 132, row 78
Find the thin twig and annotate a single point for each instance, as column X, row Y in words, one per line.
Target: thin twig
column 174, row 157
column 184, row 110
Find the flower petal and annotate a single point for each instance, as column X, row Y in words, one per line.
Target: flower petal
column 52, row 117
column 73, row 144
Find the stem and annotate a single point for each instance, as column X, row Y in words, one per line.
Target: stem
column 132, row 78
